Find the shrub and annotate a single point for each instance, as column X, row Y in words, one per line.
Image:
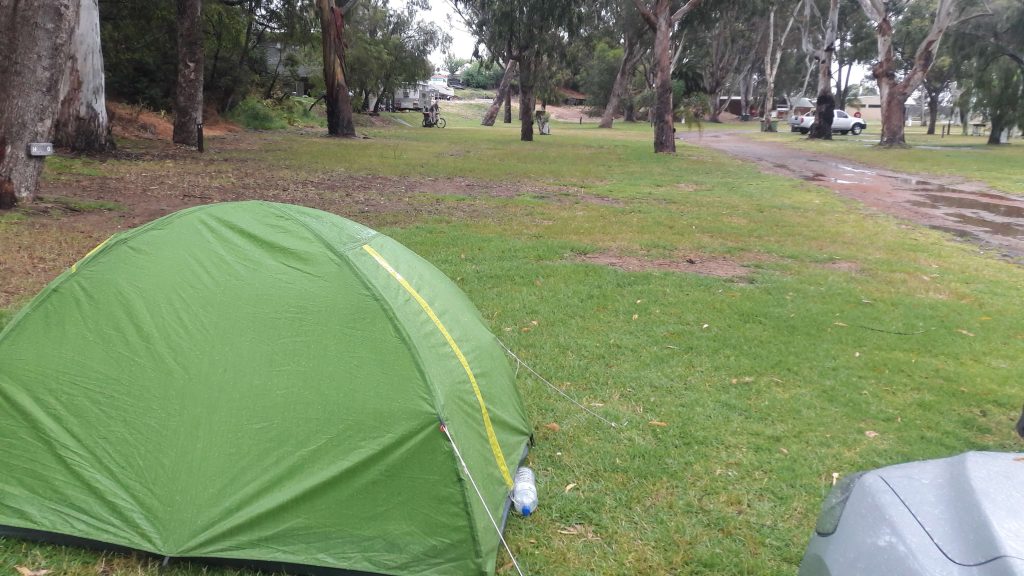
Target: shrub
column 255, row 114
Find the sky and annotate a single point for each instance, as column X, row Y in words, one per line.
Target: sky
column 462, row 40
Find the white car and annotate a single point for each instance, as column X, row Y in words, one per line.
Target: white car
column 842, row 123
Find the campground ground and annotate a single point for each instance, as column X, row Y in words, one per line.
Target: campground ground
column 753, row 333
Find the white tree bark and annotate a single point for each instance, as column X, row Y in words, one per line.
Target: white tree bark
column 772, row 59
column 82, row 122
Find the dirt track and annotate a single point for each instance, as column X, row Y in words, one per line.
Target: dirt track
column 969, row 210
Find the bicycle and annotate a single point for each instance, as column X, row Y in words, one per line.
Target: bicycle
column 427, row 123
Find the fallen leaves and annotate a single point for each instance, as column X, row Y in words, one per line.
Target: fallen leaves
column 553, row 426
column 569, row 487
column 964, row 332
column 658, row 423
column 871, row 434
column 26, row 571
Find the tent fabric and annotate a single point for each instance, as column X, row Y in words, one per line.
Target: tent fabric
column 264, row 382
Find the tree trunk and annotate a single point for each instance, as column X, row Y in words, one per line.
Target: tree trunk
column 825, row 104
column 503, row 91
column 825, row 113
column 664, row 123
column 35, row 42
column 337, row 99
column 527, row 78
column 630, row 56
column 995, row 134
column 933, row 111
column 893, row 113
column 659, row 19
column 629, row 111
column 82, row 123
column 507, row 117
column 188, row 98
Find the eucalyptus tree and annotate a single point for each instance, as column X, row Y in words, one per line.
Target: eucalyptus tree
column 988, row 61
column 501, row 96
column 337, row 98
column 725, row 39
column 818, row 39
column 1000, row 91
column 854, row 44
column 35, row 44
column 662, row 16
column 188, row 94
column 390, row 47
column 453, row 63
column 634, row 32
column 894, row 91
column 774, row 49
column 82, row 122
column 524, row 31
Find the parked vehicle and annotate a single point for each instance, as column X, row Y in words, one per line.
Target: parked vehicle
column 842, row 123
column 958, row 516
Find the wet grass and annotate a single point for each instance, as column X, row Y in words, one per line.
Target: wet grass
column 738, row 398
column 960, row 157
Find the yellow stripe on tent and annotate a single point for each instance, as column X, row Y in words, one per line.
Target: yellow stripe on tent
column 498, row 456
column 74, row 267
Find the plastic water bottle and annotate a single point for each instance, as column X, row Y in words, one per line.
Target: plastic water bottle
column 524, row 491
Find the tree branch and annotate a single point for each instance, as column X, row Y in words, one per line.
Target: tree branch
column 647, row 15
column 682, row 12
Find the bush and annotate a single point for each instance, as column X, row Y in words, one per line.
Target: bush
column 255, row 114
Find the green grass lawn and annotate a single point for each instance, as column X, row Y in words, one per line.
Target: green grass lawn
column 738, row 397
column 960, row 157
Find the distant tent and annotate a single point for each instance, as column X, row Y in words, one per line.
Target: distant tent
column 265, row 383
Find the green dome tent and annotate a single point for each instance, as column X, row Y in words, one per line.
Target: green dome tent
column 265, row 383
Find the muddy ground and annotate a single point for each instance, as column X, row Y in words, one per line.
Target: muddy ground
column 969, row 210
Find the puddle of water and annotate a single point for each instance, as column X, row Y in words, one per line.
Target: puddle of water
column 1003, row 210
column 997, row 226
column 855, row 169
column 838, row 181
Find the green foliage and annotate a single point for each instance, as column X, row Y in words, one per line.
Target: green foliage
column 389, row 47
column 140, row 51
column 600, row 72
column 1001, row 94
column 484, row 75
column 140, row 48
column 452, row 63
column 256, row 114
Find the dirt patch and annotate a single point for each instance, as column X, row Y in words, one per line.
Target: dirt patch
column 717, row 266
column 843, row 266
column 131, row 121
